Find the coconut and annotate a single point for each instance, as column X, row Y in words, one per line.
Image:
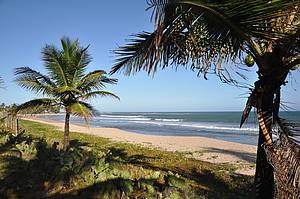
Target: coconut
column 249, row 61
column 295, row 67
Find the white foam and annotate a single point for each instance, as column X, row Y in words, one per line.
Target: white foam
column 207, row 126
column 169, row 120
column 122, row 119
column 122, row 116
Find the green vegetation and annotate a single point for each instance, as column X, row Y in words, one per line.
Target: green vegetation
column 32, row 165
column 33, row 110
column 66, row 85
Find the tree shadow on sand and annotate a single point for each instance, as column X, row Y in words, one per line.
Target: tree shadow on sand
column 248, row 157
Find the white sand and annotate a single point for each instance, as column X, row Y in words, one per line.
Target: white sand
column 206, row 149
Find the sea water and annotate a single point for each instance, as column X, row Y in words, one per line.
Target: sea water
column 218, row 125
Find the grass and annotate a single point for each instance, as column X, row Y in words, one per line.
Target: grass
column 126, row 170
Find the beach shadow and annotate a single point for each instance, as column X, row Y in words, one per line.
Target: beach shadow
column 208, row 183
column 249, row 157
column 222, row 188
column 117, row 188
column 34, row 177
column 120, row 155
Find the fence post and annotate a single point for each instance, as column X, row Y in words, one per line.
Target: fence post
column 17, row 126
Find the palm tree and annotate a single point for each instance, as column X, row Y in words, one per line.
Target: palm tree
column 66, row 84
column 210, row 37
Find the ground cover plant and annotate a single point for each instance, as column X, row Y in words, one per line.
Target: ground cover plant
column 33, row 165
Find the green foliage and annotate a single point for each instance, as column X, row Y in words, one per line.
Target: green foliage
column 17, row 138
column 85, row 164
column 175, row 181
column 96, row 167
column 27, row 149
column 174, row 195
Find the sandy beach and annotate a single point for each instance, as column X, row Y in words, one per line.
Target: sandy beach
column 206, row 149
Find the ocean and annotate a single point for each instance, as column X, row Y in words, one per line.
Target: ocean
column 218, row 125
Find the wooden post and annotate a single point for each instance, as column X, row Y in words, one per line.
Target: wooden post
column 17, row 126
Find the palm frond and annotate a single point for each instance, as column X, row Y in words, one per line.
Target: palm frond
column 284, row 157
column 82, row 109
column 290, row 129
column 34, row 81
column 37, row 103
column 66, row 89
column 53, row 60
column 94, row 80
column 98, row 93
column 243, row 17
column 76, row 58
column 251, row 102
column 203, row 35
column 28, row 72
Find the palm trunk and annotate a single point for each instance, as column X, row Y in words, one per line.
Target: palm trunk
column 264, row 176
column 67, row 132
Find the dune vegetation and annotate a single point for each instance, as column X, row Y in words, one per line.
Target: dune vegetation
column 34, row 165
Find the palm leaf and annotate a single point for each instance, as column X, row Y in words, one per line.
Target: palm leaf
column 290, row 129
column 94, row 80
column 66, row 89
column 53, row 60
column 37, row 103
column 82, row 109
column 76, row 59
column 203, row 35
column 34, row 81
column 98, row 93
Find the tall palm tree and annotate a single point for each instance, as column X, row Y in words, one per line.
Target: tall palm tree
column 66, row 84
column 210, row 36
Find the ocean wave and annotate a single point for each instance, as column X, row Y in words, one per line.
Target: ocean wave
column 122, row 116
column 122, row 119
column 212, row 127
column 169, row 120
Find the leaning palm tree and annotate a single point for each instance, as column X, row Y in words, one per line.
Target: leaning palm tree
column 212, row 37
column 66, row 85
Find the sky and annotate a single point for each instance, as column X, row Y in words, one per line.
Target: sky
column 27, row 26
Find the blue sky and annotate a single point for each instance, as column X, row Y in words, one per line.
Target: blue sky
column 26, row 26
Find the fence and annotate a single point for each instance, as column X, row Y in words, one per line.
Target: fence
column 10, row 121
